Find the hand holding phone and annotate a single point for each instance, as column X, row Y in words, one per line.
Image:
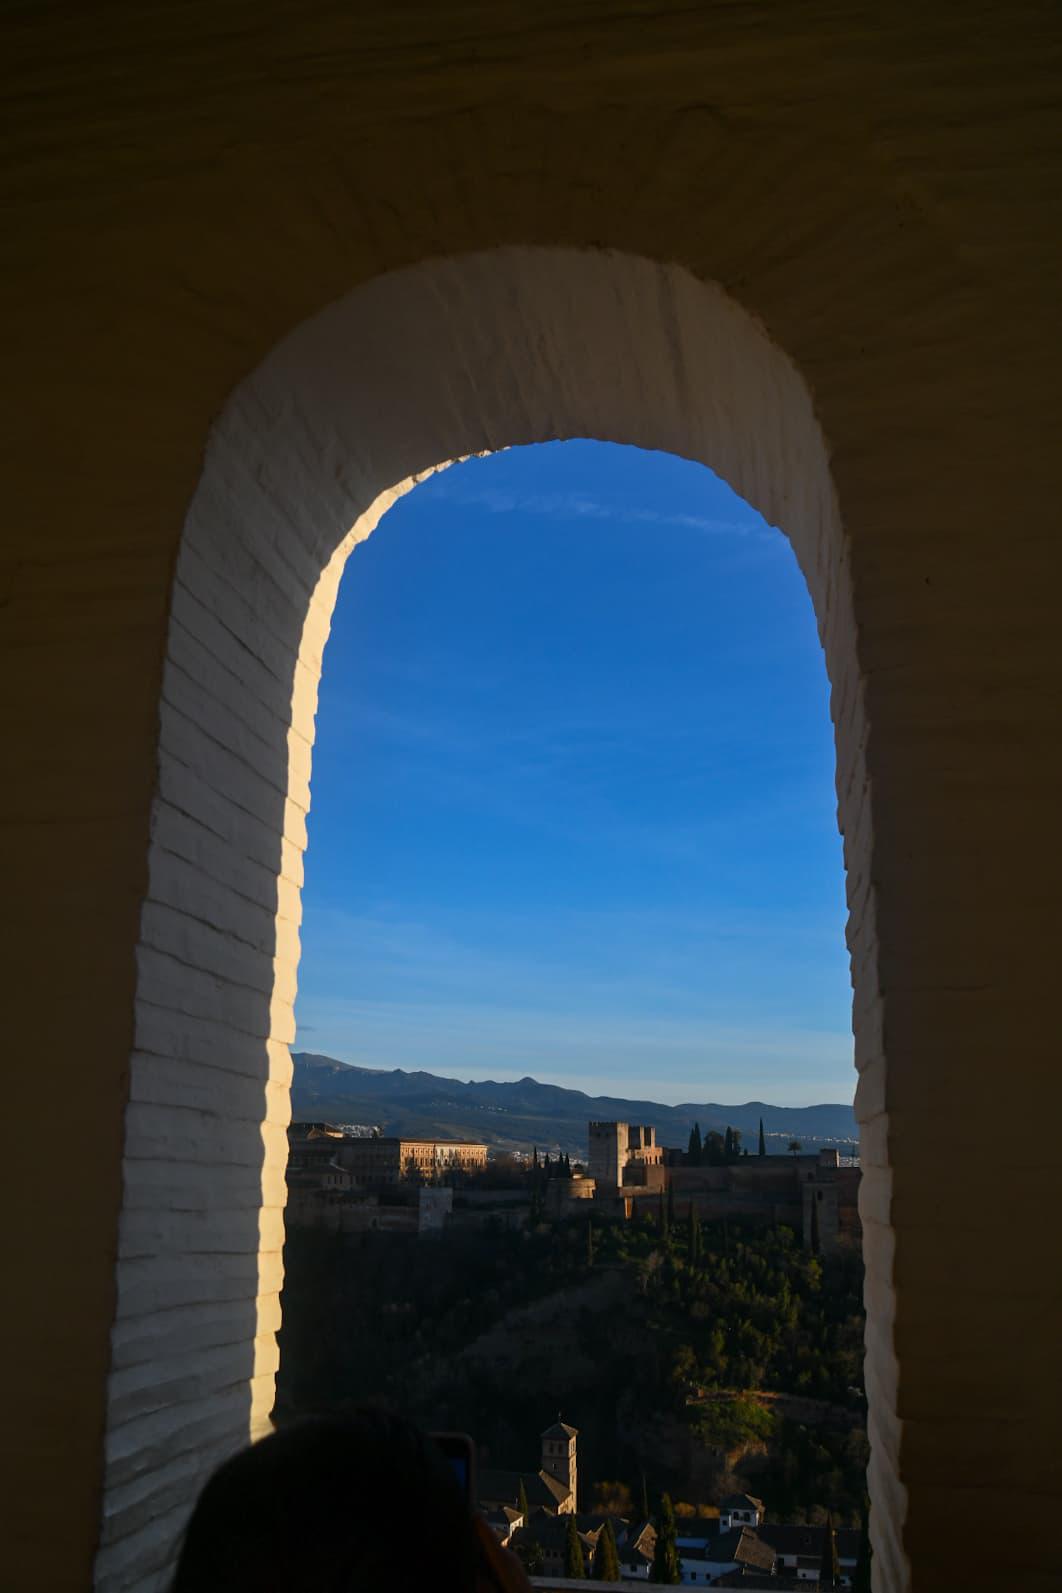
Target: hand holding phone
column 499, row 1571
column 460, row 1451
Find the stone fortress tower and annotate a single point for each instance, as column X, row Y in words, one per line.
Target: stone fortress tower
column 608, row 1153
column 560, row 1462
column 820, row 1193
column 613, row 1147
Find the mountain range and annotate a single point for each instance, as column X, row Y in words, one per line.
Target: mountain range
column 516, row 1116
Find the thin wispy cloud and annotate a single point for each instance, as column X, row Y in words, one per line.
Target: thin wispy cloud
column 475, row 952
column 582, row 506
column 573, row 791
column 570, row 779
column 691, row 1059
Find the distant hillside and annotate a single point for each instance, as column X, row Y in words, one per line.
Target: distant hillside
column 517, row 1116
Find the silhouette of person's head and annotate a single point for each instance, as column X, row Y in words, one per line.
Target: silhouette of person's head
column 356, row 1504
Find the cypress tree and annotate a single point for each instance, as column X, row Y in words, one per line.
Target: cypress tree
column 664, row 1232
column 670, row 1205
column 861, row 1575
column 693, row 1237
column 574, row 1564
column 814, row 1225
column 606, row 1556
column 830, row 1572
column 589, row 1243
column 713, row 1149
column 763, row 1142
column 534, row 1159
column 695, row 1148
column 666, row 1567
column 728, row 1143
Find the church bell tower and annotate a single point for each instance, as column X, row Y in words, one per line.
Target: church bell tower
column 559, row 1460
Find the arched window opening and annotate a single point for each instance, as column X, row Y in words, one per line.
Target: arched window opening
column 414, row 370
column 574, row 830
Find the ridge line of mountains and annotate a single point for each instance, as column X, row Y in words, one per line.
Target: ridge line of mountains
column 516, row 1116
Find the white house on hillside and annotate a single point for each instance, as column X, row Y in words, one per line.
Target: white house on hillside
column 740, row 1510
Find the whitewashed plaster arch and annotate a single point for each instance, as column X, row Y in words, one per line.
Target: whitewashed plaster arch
column 407, row 373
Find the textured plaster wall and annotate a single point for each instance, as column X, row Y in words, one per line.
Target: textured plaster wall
column 879, row 188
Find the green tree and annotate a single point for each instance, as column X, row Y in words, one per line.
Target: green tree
column 574, row 1564
column 693, row 1151
column 763, row 1141
column 606, row 1556
column 521, row 1502
column 666, row 1568
column 728, row 1143
column 814, row 1227
column 795, row 1147
column 528, row 1551
column 589, row 1243
column 665, row 1231
column 670, row 1205
column 613, row 1499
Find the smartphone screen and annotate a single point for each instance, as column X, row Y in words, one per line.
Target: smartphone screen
column 460, row 1452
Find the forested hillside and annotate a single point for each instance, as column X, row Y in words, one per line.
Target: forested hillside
column 666, row 1349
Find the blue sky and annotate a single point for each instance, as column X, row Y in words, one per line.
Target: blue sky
column 573, row 803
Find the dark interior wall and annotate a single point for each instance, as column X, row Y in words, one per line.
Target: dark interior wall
column 878, row 189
